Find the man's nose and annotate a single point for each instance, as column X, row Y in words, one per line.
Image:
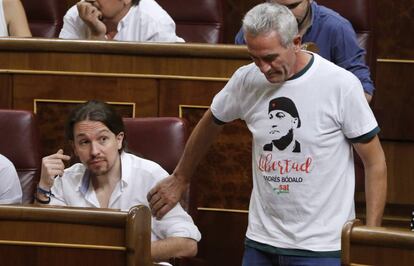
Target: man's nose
column 264, row 66
column 95, row 148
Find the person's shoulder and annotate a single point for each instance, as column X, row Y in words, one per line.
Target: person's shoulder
column 5, row 163
column 330, row 17
column 247, row 69
column 333, row 72
column 143, row 165
column 72, row 12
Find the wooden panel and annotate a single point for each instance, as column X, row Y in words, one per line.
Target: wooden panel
column 400, row 164
column 378, row 246
column 394, row 103
column 6, row 92
column 394, row 20
column 196, row 60
column 223, row 179
column 223, row 237
column 40, row 256
column 74, row 236
column 143, row 93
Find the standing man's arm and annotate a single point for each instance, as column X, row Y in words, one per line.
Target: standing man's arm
column 375, row 167
column 165, row 195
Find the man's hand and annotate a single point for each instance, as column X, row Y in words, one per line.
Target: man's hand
column 165, row 195
column 52, row 166
column 92, row 17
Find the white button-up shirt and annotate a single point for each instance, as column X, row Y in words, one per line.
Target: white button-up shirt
column 145, row 22
column 10, row 189
column 75, row 188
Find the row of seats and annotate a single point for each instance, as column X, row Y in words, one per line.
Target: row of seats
column 160, row 139
column 197, row 20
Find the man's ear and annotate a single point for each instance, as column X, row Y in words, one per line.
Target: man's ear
column 297, row 42
column 119, row 139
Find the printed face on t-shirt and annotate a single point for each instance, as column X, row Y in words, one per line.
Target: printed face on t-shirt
column 281, row 123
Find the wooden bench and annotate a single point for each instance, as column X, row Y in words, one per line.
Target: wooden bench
column 364, row 245
column 68, row 236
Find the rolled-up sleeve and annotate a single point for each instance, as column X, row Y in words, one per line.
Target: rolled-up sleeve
column 176, row 223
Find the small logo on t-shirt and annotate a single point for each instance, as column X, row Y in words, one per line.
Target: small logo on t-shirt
column 282, row 189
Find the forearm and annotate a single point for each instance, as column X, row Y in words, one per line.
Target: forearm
column 375, row 168
column 375, row 193
column 173, row 247
column 197, row 146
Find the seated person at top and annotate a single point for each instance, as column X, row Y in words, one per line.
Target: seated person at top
column 10, row 189
column 109, row 177
column 333, row 35
column 13, row 21
column 122, row 20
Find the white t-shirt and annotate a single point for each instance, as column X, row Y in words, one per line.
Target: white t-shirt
column 3, row 24
column 145, row 22
column 10, row 189
column 74, row 188
column 301, row 198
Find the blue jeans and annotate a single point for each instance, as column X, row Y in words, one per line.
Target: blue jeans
column 254, row 257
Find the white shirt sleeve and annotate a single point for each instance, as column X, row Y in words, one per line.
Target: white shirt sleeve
column 10, row 188
column 357, row 117
column 176, row 223
column 73, row 26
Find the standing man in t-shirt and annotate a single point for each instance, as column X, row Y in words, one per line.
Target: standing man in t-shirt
column 300, row 200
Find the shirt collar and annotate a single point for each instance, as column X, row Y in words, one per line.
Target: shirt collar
column 314, row 9
column 126, row 19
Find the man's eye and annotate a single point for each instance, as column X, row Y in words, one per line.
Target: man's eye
column 83, row 142
column 293, row 6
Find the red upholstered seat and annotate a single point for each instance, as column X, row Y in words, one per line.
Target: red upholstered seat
column 45, row 17
column 197, row 20
column 19, row 142
column 160, row 139
column 361, row 14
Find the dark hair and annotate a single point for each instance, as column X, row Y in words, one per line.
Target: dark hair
column 95, row 110
column 135, row 2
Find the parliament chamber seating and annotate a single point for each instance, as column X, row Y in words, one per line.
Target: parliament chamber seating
column 159, row 139
column 21, row 145
column 199, row 21
column 69, row 236
column 380, row 246
column 45, row 17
